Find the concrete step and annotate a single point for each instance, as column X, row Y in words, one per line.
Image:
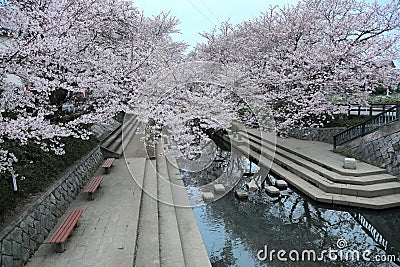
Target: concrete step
column 127, row 126
column 115, row 145
column 147, row 252
column 111, row 139
column 103, row 131
column 315, row 193
column 171, row 252
column 333, row 176
column 127, row 136
column 194, row 251
column 308, row 174
column 337, row 184
column 140, row 169
column 332, row 165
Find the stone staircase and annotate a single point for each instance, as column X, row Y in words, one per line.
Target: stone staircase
column 167, row 232
column 115, row 144
column 320, row 176
column 103, row 130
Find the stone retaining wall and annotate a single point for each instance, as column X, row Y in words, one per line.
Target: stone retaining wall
column 380, row 148
column 23, row 237
column 316, row 134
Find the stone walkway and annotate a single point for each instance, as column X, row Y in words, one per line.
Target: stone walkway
column 120, row 227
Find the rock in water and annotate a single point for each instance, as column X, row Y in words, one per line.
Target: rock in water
column 281, row 184
column 251, row 186
column 272, row 191
column 208, row 197
column 241, row 194
column 219, row 188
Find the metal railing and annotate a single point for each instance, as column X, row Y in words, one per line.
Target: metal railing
column 368, row 126
column 370, row 110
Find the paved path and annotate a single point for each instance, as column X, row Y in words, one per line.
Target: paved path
column 120, row 227
column 107, row 228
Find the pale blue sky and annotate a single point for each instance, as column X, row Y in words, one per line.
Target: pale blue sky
column 197, row 16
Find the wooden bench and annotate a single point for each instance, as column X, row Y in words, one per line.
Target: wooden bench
column 107, row 164
column 93, row 185
column 65, row 229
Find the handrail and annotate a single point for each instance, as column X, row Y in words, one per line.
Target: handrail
column 368, row 126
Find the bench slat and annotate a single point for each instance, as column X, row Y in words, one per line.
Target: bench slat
column 93, row 184
column 62, row 229
column 108, row 162
column 66, row 227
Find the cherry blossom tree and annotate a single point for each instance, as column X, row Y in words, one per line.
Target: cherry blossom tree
column 298, row 59
column 93, row 54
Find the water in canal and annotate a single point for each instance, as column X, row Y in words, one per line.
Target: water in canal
column 235, row 232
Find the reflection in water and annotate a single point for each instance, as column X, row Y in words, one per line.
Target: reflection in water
column 234, row 231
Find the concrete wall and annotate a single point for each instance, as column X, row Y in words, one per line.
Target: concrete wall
column 380, row 148
column 316, row 134
column 24, row 236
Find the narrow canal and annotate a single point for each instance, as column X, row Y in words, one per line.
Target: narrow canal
column 243, row 233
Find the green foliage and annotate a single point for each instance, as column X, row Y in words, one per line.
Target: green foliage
column 336, row 99
column 344, row 121
column 380, row 90
column 39, row 168
column 384, row 99
column 243, row 111
column 120, row 117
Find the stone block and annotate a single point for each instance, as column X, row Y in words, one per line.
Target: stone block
column 70, row 193
column 57, row 212
column 64, row 186
column 32, row 232
column 53, row 199
column 68, row 199
column 24, row 227
column 57, row 194
column 6, row 247
column 25, row 241
column 208, row 197
column 7, row 261
column 36, row 215
column 18, row 263
column 281, row 184
column 272, row 191
column 32, row 246
column 42, row 208
column 45, row 232
column 38, row 226
column 29, row 221
column 24, row 254
column 39, row 238
column 47, row 202
column 16, row 248
column 219, row 188
column 16, row 235
column 350, row 163
column 251, row 186
column 49, row 225
column 241, row 194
